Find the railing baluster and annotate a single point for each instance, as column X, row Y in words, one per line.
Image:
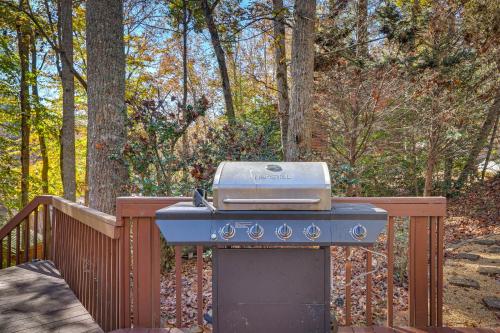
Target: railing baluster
column 69, row 251
column 86, row 271
column 390, row 271
column 124, row 275
column 135, row 270
column 45, row 233
column 178, row 286
column 348, row 272
column 113, row 283
column 54, row 239
column 9, row 249
column 100, row 285
column 116, row 283
column 93, row 250
column 107, row 291
column 440, row 265
column 199, row 276
column 155, row 249
column 81, row 259
column 98, row 315
column 58, row 241
column 18, row 239
column 62, row 247
column 74, row 250
column 27, row 239
column 433, row 275
column 419, row 284
column 1, row 253
column 35, row 234
column 369, row 288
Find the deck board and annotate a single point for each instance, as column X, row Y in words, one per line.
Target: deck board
column 35, row 298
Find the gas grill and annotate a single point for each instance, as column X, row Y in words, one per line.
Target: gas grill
column 270, row 225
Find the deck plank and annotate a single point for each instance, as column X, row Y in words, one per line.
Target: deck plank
column 35, row 298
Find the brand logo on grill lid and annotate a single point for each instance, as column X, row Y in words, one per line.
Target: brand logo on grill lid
column 274, row 168
column 272, row 177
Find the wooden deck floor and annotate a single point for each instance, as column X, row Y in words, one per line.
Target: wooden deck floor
column 35, row 298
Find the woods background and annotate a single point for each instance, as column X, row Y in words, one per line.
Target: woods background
column 107, row 98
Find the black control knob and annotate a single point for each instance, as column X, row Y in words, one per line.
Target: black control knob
column 227, row 231
column 284, row 231
column 359, row 232
column 312, row 232
column 256, row 231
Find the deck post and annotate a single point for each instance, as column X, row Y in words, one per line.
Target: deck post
column 419, row 272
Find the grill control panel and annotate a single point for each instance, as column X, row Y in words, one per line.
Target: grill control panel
column 273, row 232
column 187, row 225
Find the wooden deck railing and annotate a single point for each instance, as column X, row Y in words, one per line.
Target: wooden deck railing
column 21, row 236
column 425, row 252
column 83, row 244
column 113, row 264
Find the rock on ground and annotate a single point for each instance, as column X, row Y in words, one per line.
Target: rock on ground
column 485, row 241
column 489, row 270
column 492, row 302
column 468, row 256
column 463, row 282
column 493, row 249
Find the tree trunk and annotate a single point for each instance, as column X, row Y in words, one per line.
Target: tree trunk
column 471, row 163
column 448, row 173
column 362, row 29
column 38, row 120
column 429, row 173
column 107, row 170
column 302, row 68
column 414, row 164
column 68, row 169
column 490, row 147
column 431, row 159
column 281, row 69
column 221, row 59
column 184, row 74
column 23, row 39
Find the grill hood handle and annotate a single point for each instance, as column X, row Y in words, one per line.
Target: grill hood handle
column 271, row 201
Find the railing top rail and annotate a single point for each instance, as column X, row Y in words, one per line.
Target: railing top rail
column 393, row 200
column 403, row 206
column 102, row 222
column 396, row 206
column 143, row 206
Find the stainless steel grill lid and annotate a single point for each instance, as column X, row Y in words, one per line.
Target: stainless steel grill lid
column 272, row 186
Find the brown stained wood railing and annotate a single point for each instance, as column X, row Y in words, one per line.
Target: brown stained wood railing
column 137, row 215
column 104, row 258
column 23, row 230
column 425, row 252
column 84, row 245
column 141, row 257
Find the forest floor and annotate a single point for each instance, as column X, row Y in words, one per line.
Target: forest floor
column 471, row 272
column 473, row 256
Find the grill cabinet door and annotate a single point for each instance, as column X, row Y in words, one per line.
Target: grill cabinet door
column 271, row 290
